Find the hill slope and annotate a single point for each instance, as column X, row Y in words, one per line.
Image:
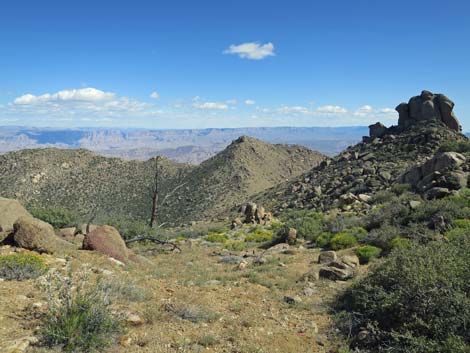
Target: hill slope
column 84, row 182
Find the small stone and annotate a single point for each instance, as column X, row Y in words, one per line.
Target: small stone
column 292, row 300
column 326, row 257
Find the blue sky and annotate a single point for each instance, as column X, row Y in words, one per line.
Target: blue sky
column 189, row 64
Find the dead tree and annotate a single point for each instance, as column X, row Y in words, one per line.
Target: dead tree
column 156, row 193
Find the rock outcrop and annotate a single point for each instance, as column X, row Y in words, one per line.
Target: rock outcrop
column 438, row 176
column 427, row 107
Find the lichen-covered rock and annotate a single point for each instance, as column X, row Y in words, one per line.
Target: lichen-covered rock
column 327, row 257
column 106, row 240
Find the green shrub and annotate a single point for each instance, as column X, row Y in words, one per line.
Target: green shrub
column 235, row 245
column 259, row 235
column 366, row 253
column 357, row 232
column 131, row 228
column 400, row 243
column 79, row 317
column 417, row 301
column 457, row 233
column 22, row 266
column 308, row 224
column 323, row 239
column 58, row 218
column 461, row 223
column 216, row 238
column 343, row 241
column 455, row 146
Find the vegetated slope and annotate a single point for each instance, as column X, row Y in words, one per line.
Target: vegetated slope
column 244, row 168
column 362, row 169
column 82, row 181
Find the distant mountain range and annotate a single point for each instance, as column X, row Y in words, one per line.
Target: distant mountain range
column 186, row 146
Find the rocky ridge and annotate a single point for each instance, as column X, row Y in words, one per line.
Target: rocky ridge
column 349, row 180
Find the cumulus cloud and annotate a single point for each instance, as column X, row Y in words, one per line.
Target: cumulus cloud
column 332, row 109
column 252, row 50
column 211, row 106
column 154, row 95
column 231, row 101
column 75, row 95
column 250, row 102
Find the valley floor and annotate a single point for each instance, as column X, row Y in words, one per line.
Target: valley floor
column 191, row 302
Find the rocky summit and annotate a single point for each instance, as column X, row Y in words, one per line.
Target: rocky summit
column 348, row 180
column 428, row 107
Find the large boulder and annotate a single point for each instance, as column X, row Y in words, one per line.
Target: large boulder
column 10, row 211
column 33, row 234
column 441, row 171
column 428, row 107
column 108, row 241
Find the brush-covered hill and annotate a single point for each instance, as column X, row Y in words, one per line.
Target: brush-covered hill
column 86, row 183
column 348, row 180
column 246, row 167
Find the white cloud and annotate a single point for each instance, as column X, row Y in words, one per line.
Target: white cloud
column 388, row 111
column 154, row 95
column 250, row 102
column 252, row 50
column 75, row 95
column 332, row 109
column 292, row 109
column 231, row 101
column 211, row 106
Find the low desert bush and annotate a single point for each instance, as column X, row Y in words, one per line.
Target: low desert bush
column 79, row 317
column 400, row 243
column 365, row 253
column 216, row 238
column 417, row 301
column 323, row 239
column 343, row 241
column 308, row 224
column 455, row 146
column 22, row 266
column 235, row 245
column 259, row 235
column 58, row 218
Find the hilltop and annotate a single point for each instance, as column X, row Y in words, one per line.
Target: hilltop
column 84, row 182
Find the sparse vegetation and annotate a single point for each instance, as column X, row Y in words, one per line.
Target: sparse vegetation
column 79, row 317
column 22, row 266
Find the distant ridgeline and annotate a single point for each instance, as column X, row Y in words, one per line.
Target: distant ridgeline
column 349, row 180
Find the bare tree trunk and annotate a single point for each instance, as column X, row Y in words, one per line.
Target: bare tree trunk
column 153, row 216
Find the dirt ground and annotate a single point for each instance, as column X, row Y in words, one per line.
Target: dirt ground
column 191, row 302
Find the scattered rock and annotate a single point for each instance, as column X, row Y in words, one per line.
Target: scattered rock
column 335, row 274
